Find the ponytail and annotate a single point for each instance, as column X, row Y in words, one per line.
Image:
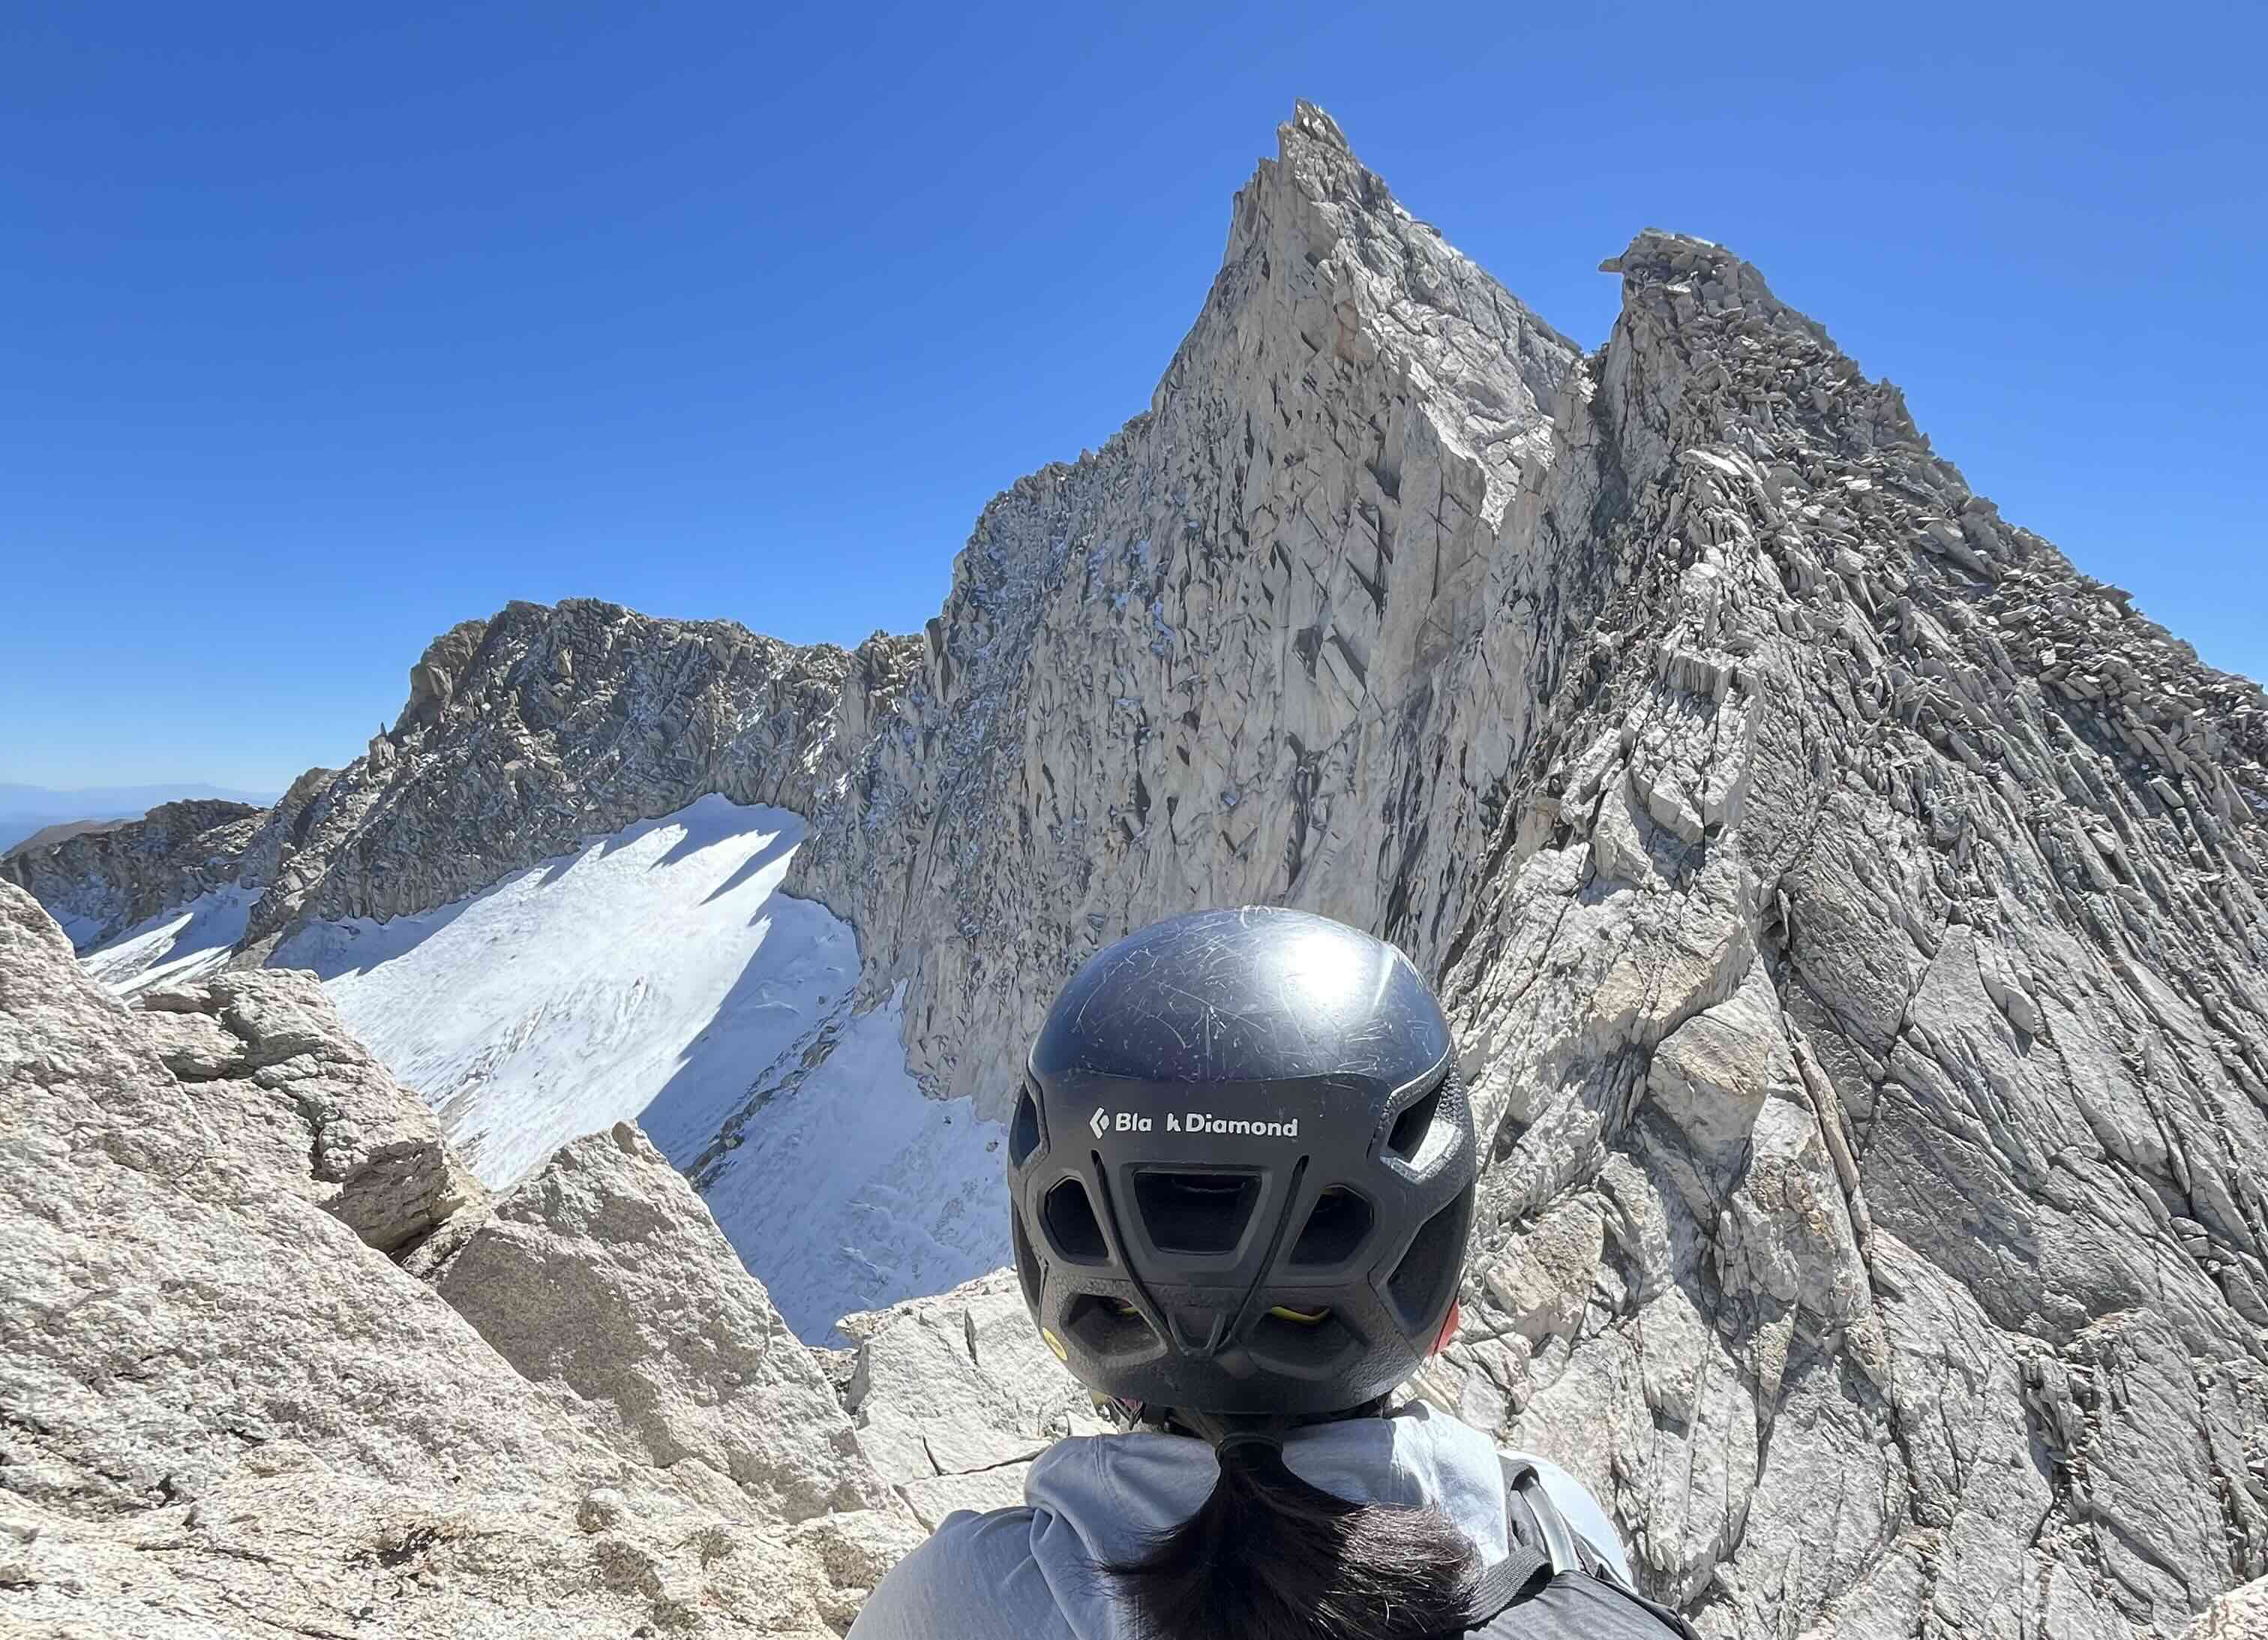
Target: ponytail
column 1271, row 1557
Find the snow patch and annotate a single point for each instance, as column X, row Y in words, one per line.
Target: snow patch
column 173, row 946
column 572, row 995
column 659, row 975
column 885, row 1194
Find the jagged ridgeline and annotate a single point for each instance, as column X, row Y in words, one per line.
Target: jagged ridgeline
column 1852, row 914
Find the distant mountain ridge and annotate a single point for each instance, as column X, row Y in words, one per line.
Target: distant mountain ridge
column 26, row 811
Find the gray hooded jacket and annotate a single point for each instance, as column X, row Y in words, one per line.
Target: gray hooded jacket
column 1029, row 1573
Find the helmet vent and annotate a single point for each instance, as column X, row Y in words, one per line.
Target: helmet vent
column 1336, row 1227
column 1109, row 1327
column 1027, row 1267
column 1071, row 1225
column 1024, row 1133
column 1300, row 1347
column 1422, row 1283
column 1415, row 1125
column 1196, row 1213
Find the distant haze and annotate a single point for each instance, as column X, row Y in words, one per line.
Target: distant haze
column 25, row 809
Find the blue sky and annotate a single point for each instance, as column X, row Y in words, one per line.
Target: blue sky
column 328, row 327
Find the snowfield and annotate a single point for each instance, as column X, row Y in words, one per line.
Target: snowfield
column 172, row 947
column 659, row 975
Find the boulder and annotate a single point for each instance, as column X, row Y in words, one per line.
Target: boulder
column 604, row 1281
column 2240, row 1615
column 263, row 1057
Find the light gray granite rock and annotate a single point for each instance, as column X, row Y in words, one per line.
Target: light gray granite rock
column 955, row 1395
column 603, row 1280
column 263, row 1058
column 2240, row 1615
column 1227, row 657
column 221, row 1414
column 1889, row 1087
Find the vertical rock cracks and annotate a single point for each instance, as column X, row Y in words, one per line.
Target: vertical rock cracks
column 1875, row 1009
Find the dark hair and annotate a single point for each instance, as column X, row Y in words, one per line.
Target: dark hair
column 1271, row 1557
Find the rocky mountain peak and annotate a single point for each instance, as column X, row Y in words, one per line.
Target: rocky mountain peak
column 102, row 883
column 1318, row 239
column 540, row 725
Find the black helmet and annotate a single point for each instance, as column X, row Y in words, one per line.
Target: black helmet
column 1241, row 1171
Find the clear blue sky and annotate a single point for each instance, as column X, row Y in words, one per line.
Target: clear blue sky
column 329, row 326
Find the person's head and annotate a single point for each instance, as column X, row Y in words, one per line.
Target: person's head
column 1241, row 1177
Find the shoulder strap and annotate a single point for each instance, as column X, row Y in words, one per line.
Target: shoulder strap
column 1556, row 1547
column 1510, row 1578
column 1503, row 1583
column 1521, row 1481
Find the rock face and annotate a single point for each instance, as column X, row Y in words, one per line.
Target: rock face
column 305, row 1099
column 1865, row 998
column 955, row 1395
column 1233, row 656
column 100, row 883
column 1852, row 913
column 222, row 1414
column 604, row 1280
column 2241, row 1614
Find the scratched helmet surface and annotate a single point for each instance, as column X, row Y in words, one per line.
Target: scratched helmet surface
column 1241, row 1168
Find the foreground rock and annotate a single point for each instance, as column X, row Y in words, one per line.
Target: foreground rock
column 604, row 1280
column 266, row 1064
column 954, row 1396
column 2241, row 1614
column 222, row 1414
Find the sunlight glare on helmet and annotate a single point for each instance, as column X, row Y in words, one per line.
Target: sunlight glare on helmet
column 1321, row 967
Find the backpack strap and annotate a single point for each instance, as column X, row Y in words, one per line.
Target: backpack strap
column 1511, row 1577
column 1521, row 1481
column 1558, row 1548
column 1504, row 1582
